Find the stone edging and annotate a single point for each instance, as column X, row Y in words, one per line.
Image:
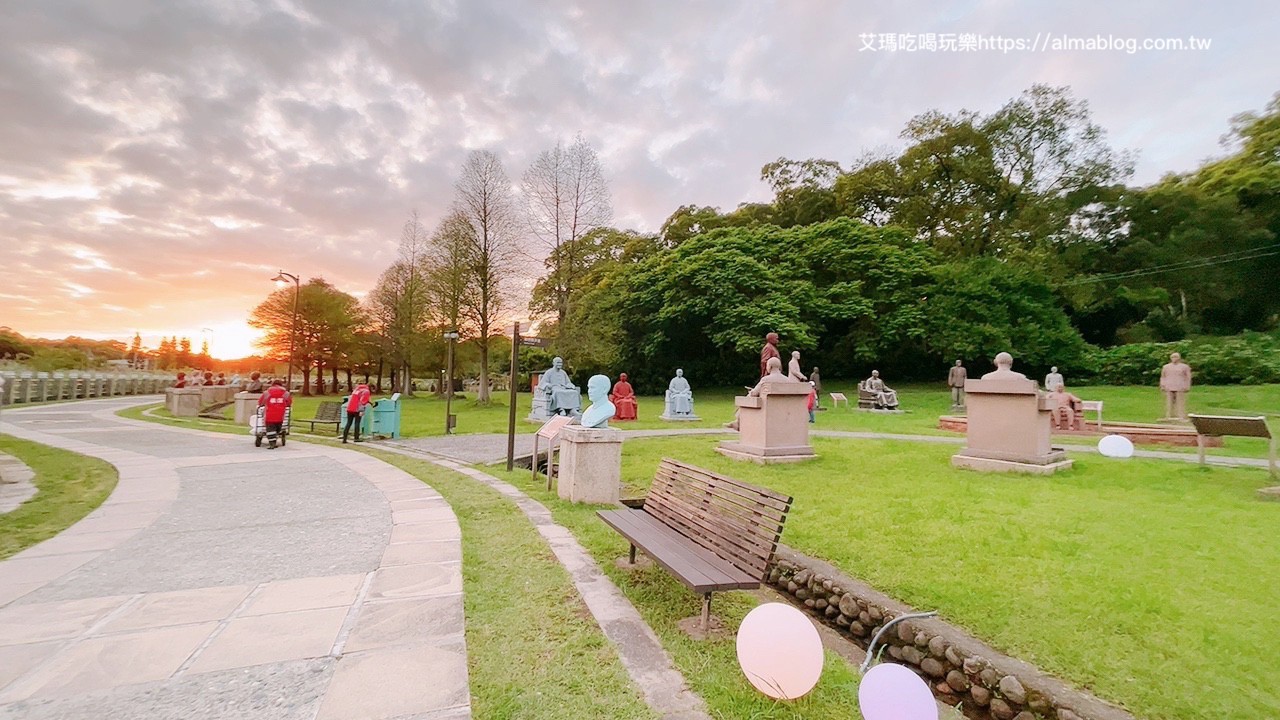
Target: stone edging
column 959, row 667
column 16, row 486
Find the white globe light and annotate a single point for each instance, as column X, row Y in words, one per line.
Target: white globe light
column 1115, row 446
column 780, row 651
column 892, row 692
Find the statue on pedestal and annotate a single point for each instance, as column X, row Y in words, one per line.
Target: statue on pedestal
column 885, row 396
column 1053, row 380
column 561, row 395
column 678, row 403
column 793, row 367
column 770, row 350
column 1069, row 414
column 955, row 381
column 623, row 398
column 598, row 413
column 1175, row 381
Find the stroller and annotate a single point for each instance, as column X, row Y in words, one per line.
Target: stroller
column 272, row 433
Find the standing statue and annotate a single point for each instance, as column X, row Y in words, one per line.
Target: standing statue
column 600, row 410
column 1053, row 380
column 793, row 367
column 623, row 398
column 955, row 381
column 1175, row 381
column 679, row 399
column 817, row 386
column 885, row 396
column 562, row 396
column 770, row 350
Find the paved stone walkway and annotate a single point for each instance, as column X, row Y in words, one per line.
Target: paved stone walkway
column 224, row 581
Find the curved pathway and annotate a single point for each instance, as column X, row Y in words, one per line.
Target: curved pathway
column 224, row 581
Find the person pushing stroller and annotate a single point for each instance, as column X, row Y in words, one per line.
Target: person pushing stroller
column 274, row 407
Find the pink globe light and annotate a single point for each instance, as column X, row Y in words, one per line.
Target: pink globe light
column 892, row 692
column 780, row 651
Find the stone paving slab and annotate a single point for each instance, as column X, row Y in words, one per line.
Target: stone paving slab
column 222, row 582
column 15, row 483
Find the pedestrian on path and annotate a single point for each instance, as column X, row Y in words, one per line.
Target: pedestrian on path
column 275, row 401
column 356, row 406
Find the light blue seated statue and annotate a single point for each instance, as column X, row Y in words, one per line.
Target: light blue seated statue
column 679, row 399
column 600, row 410
column 562, row 396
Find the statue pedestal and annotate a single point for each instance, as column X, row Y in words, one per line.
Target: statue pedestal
column 246, row 406
column 538, row 414
column 774, row 427
column 1009, row 424
column 671, row 416
column 590, row 468
column 183, row 402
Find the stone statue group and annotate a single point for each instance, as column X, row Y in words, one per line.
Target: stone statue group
column 1175, row 383
column 557, row 395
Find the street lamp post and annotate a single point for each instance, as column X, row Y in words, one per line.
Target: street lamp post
column 452, row 337
column 282, row 277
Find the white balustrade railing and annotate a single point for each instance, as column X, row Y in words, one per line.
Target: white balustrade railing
column 21, row 387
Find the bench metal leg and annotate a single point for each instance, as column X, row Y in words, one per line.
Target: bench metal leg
column 706, row 612
column 633, row 555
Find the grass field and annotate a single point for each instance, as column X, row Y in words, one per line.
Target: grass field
column 69, row 487
column 424, row 415
column 1153, row 584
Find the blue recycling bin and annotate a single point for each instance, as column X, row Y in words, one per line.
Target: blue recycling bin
column 384, row 417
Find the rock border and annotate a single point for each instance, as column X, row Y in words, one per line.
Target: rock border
column 960, row 669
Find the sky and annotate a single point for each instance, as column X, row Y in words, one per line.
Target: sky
column 160, row 161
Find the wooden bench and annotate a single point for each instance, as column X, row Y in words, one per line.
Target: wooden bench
column 1218, row 425
column 711, row 532
column 328, row 412
column 1092, row 406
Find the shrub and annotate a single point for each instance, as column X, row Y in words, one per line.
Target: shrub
column 1248, row 359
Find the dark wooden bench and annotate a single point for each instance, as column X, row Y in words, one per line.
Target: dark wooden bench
column 328, row 412
column 711, row 532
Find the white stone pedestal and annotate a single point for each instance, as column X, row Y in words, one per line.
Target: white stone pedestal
column 246, row 406
column 183, row 402
column 590, row 465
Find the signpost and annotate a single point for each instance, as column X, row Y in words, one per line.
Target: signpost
column 452, row 337
column 511, row 404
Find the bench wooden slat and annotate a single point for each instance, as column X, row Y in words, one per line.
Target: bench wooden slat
column 699, row 569
column 751, row 492
column 758, row 525
column 703, row 495
column 749, row 549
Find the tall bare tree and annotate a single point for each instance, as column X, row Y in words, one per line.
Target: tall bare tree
column 566, row 197
column 398, row 303
column 447, row 270
column 486, row 201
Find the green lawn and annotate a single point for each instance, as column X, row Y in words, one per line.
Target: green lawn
column 711, row 667
column 1154, row 584
column 70, row 486
column 533, row 649
column 424, row 414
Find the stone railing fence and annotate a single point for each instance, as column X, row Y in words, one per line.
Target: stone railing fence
column 21, row 387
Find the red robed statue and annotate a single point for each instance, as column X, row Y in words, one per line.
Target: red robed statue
column 623, row 399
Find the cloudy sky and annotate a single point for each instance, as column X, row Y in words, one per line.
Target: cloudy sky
column 160, row 160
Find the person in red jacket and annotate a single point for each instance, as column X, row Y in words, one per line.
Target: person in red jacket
column 813, row 399
column 276, row 400
column 356, row 406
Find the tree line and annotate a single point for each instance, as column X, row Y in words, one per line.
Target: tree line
column 1016, row 229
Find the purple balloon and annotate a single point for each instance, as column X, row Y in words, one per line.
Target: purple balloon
column 891, row 692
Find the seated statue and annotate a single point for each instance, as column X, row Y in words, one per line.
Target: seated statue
column 883, row 397
column 623, row 398
column 562, row 396
column 1069, row 414
column 679, row 398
